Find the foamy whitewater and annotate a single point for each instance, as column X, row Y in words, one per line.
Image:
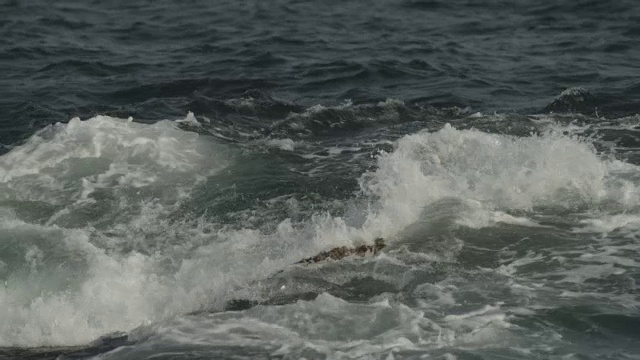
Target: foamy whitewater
column 495, row 241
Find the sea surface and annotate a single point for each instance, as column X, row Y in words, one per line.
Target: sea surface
column 164, row 165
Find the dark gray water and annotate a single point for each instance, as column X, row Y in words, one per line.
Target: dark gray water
column 165, row 164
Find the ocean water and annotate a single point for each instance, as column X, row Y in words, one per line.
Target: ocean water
column 164, row 166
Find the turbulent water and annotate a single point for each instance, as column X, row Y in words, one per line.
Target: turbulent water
column 165, row 165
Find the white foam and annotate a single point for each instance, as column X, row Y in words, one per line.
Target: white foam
column 609, row 223
column 489, row 326
column 64, row 163
column 74, row 301
column 105, row 189
column 108, row 289
column 326, row 325
column 491, row 172
column 282, row 144
column 333, row 327
column 102, row 190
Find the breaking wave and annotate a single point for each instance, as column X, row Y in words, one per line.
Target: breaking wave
column 97, row 239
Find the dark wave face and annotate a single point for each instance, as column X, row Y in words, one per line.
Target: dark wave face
column 165, row 166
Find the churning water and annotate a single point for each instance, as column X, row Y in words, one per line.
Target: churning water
column 165, row 165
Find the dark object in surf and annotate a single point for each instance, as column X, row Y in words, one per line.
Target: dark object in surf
column 287, row 298
column 343, row 251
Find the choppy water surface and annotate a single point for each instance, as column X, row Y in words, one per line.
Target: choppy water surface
column 165, row 165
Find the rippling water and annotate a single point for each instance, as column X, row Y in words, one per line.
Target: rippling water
column 165, row 165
